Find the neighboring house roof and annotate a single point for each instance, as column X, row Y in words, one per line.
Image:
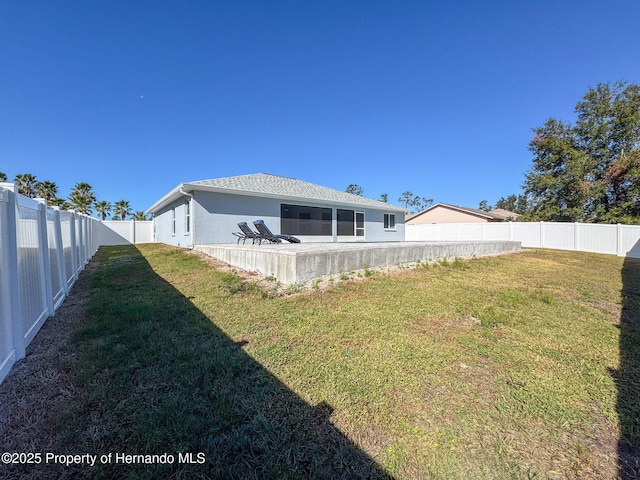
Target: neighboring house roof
column 273, row 186
column 505, row 214
column 498, row 214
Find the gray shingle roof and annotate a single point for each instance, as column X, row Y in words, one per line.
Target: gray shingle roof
column 274, row 185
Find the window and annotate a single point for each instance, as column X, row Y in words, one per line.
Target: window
column 390, row 221
column 345, row 222
column 304, row 220
column 187, row 217
column 359, row 224
column 173, row 221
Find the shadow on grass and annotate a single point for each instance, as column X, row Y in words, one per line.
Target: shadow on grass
column 628, row 376
column 161, row 378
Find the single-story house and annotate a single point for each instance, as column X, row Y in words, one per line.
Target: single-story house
column 208, row 212
column 445, row 213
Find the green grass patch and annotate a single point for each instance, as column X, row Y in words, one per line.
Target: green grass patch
column 509, row 367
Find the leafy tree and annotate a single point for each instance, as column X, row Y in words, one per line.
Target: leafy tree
column 121, row 209
column 513, row 203
column 47, row 190
column 484, row 206
column 26, row 184
column 3, row 177
column 422, row 203
column 140, row 216
column 384, row 197
column 406, row 199
column 354, row 189
column 102, row 209
column 508, row 203
column 409, row 200
column 82, row 198
column 589, row 171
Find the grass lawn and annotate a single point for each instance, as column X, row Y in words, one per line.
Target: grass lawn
column 520, row 366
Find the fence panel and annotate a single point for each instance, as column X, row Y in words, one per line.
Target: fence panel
column 527, row 233
column 560, row 236
column 9, row 298
column 41, row 252
column 623, row 240
column 629, row 242
column 31, row 271
column 117, row 232
column 471, row 231
column 68, row 246
column 497, row 231
column 56, row 257
column 598, row 238
column 143, row 231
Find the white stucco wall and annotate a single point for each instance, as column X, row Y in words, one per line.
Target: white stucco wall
column 163, row 225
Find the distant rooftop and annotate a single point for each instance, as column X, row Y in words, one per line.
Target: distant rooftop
column 497, row 214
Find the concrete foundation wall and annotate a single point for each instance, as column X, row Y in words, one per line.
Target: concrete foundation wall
column 303, row 262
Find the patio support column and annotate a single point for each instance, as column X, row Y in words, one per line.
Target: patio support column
column 334, row 224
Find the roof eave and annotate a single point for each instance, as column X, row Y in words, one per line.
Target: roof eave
column 175, row 194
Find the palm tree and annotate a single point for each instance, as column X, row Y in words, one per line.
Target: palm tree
column 57, row 202
column 3, row 177
column 82, row 198
column 26, row 183
column 103, row 208
column 47, row 190
column 121, row 209
column 140, row 216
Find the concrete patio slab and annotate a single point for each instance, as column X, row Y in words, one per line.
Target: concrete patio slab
column 300, row 263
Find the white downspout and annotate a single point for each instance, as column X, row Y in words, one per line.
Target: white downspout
column 192, row 219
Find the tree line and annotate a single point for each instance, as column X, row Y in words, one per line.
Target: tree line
column 410, row 201
column 586, row 171
column 82, row 198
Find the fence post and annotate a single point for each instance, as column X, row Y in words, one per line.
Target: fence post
column 74, row 250
column 57, row 225
column 576, row 236
column 43, row 246
column 9, row 284
column 541, row 234
column 132, row 225
column 81, row 240
column 510, row 230
column 619, row 240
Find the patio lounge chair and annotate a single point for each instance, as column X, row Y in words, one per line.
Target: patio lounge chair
column 247, row 233
column 267, row 235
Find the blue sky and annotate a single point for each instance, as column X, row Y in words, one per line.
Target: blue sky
column 438, row 98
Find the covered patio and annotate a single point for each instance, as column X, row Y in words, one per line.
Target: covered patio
column 303, row 262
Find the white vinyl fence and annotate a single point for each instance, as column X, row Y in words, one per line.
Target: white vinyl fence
column 42, row 250
column 621, row 240
column 117, row 232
